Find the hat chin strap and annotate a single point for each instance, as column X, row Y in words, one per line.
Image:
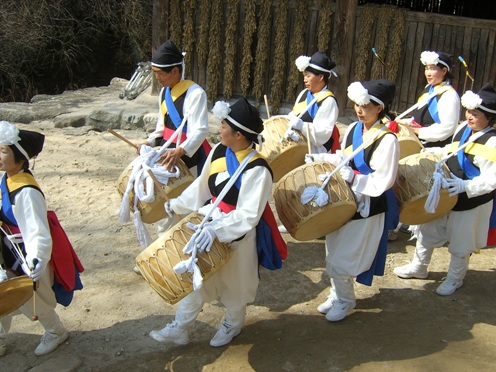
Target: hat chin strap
column 23, row 152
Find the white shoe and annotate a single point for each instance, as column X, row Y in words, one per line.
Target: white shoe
column 411, row 271
column 3, row 347
column 324, row 307
column 392, row 235
column 449, row 286
column 137, row 270
column 172, row 332
column 282, row 229
column 339, row 310
column 49, row 342
column 224, row 335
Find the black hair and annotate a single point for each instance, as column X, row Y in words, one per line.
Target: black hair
column 169, row 68
column 19, row 157
column 384, row 112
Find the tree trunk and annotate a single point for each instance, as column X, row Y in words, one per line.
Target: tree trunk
column 342, row 45
column 160, row 31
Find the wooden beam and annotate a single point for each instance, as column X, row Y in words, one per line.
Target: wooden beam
column 160, row 31
column 342, row 47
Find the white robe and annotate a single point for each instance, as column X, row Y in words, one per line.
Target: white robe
column 466, row 231
column 321, row 128
column 351, row 249
column 235, row 284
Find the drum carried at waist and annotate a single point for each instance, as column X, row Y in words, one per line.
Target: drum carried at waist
column 283, row 154
column 156, row 262
column 14, row 293
column 413, row 184
column 309, row 221
column 407, row 140
column 154, row 211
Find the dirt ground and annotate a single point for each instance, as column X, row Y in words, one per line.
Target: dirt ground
column 398, row 325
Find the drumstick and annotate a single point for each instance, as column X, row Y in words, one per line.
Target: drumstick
column 267, row 106
column 35, row 317
column 123, row 139
column 308, row 140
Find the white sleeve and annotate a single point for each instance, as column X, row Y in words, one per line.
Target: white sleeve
column 195, row 106
column 449, row 114
column 384, row 162
column 30, row 212
column 486, row 181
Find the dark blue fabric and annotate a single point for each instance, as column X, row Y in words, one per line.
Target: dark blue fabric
column 467, row 167
column 492, row 219
column 233, row 164
column 6, row 204
column 392, row 214
column 432, row 106
column 312, row 110
column 268, row 256
column 172, row 110
column 63, row 296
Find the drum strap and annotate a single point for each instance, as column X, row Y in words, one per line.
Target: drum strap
column 168, row 107
column 432, row 104
column 301, row 106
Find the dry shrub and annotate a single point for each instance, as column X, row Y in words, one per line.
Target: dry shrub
column 175, row 22
column 249, row 29
column 262, row 54
column 189, row 35
column 214, row 55
column 55, row 45
column 279, row 64
column 324, row 31
column 364, row 37
column 202, row 49
column 230, row 47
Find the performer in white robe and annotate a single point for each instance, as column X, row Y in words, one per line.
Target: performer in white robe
column 320, row 119
column 351, row 250
column 473, row 172
column 436, row 122
column 235, row 284
column 28, row 212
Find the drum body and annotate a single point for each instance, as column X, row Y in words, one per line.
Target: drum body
column 408, row 141
column 156, row 262
column 413, row 184
column 283, row 154
column 309, row 221
column 153, row 212
column 14, row 293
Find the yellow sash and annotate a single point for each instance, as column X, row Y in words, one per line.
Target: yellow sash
column 299, row 107
column 19, row 180
column 177, row 91
column 476, row 149
column 220, row 165
column 371, row 132
column 438, row 89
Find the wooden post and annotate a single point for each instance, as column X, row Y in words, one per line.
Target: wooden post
column 342, row 48
column 160, row 31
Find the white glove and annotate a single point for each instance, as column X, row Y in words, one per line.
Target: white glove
column 205, row 238
column 36, row 266
column 347, row 173
column 296, row 123
column 455, row 185
column 309, row 158
column 3, row 275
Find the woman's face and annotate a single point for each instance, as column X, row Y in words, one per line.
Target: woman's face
column 476, row 120
column 7, row 161
column 369, row 113
column 314, row 83
column 435, row 74
column 226, row 135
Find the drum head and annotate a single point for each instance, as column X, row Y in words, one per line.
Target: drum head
column 14, row 293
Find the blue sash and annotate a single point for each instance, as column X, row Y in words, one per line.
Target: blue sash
column 392, row 214
column 467, row 167
column 432, row 106
column 268, row 255
column 312, row 110
column 6, row 205
column 172, row 110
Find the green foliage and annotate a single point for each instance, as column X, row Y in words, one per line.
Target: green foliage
column 49, row 46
